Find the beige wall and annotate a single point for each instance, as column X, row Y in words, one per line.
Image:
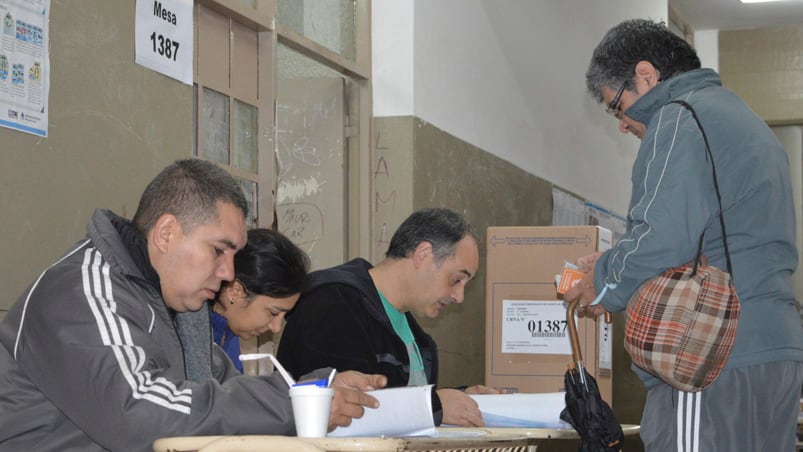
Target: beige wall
column 765, row 67
column 489, row 191
column 113, row 126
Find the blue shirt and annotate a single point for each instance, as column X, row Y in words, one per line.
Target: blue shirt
column 226, row 339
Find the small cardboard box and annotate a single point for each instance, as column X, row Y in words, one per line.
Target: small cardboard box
column 527, row 346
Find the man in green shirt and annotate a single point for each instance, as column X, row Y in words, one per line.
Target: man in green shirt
column 359, row 317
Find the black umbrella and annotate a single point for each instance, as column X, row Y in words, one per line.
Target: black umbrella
column 585, row 410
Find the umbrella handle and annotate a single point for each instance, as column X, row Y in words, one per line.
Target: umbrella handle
column 577, row 354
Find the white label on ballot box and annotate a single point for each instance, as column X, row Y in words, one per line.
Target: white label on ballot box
column 530, row 326
column 605, row 348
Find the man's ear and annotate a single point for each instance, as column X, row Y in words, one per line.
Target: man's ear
column 164, row 230
column 421, row 253
column 647, row 76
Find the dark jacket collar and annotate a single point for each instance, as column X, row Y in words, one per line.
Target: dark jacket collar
column 353, row 273
column 122, row 246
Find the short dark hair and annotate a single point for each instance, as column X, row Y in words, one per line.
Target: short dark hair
column 440, row 227
column 190, row 190
column 614, row 59
column 271, row 264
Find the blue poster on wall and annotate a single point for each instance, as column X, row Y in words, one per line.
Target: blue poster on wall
column 24, row 65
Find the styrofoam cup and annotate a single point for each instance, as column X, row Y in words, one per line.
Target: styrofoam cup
column 311, row 409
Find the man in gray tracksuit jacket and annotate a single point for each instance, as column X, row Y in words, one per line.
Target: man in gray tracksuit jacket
column 640, row 70
column 91, row 358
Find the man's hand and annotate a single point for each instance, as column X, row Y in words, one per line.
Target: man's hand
column 585, row 287
column 480, row 389
column 350, row 397
column 586, row 264
column 459, row 408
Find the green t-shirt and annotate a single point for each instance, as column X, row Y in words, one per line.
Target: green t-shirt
column 402, row 328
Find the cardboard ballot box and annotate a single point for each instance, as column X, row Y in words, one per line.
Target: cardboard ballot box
column 527, row 346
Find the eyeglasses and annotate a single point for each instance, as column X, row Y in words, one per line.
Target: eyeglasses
column 613, row 107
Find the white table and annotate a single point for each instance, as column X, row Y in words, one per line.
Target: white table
column 450, row 439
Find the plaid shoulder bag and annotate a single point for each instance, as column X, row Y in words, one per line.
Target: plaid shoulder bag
column 681, row 325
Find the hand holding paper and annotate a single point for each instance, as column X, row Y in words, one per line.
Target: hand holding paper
column 350, row 401
column 459, row 408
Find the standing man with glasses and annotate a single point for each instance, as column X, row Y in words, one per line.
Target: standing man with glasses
column 638, row 71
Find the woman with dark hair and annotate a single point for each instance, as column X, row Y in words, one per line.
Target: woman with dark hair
column 269, row 274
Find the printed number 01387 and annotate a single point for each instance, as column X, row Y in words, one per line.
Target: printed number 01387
column 546, row 326
column 164, row 46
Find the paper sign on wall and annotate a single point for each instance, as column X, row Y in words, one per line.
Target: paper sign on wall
column 163, row 34
column 25, row 65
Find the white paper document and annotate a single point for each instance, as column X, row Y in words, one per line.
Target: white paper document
column 25, row 65
column 541, row 410
column 535, row 326
column 405, row 411
column 163, row 35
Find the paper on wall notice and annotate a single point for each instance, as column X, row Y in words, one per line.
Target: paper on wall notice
column 567, row 209
column 25, row 65
column 533, row 326
column 163, row 35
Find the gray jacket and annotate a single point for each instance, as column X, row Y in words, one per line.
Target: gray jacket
column 90, row 359
column 673, row 201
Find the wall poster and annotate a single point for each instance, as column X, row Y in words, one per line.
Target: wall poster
column 25, row 65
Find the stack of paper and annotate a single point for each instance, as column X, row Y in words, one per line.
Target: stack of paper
column 405, row 411
column 540, row 410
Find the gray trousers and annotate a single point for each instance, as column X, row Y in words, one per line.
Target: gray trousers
column 752, row 409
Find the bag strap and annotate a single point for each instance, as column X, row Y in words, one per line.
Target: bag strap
column 716, row 188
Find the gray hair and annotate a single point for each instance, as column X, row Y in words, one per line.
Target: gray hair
column 614, row 59
column 442, row 228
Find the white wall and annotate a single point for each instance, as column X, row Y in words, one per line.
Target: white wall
column 392, row 57
column 509, row 77
column 706, row 42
